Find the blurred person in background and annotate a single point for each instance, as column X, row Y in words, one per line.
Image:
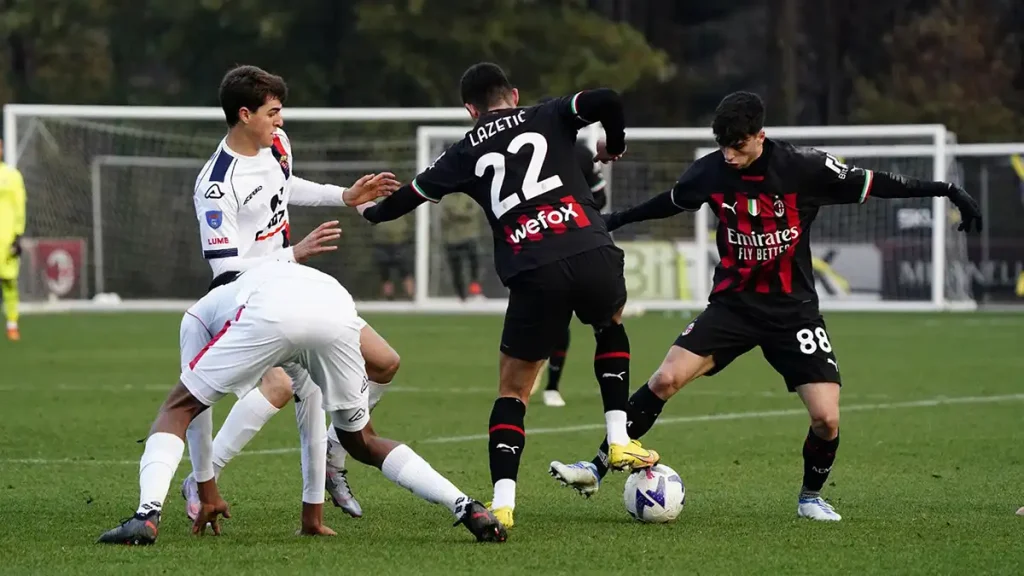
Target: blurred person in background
column 12, row 227
column 460, row 229
column 393, row 255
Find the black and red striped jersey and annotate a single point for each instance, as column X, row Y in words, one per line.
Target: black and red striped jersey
column 764, row 216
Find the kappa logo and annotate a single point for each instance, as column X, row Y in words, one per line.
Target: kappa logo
column 730, row 207
column 214, row 193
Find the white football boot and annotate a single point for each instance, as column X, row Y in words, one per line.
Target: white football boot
column 816, row 509
column 580, row 476
column 190, row 492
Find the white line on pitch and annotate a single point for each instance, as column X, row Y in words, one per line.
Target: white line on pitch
column 927, row 403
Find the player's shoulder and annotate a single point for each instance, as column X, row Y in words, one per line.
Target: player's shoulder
column 789, row 156
column 707, row 165
column 282, row 137
column 214, row 180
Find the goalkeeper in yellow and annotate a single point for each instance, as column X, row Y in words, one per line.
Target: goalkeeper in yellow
column 12, row 226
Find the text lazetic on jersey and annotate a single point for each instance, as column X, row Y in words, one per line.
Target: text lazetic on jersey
column 763, row 246
column 499, row 125
column 553, row 218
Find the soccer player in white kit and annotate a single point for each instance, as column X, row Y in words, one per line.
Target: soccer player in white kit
column 241, row 200
column 276, row 314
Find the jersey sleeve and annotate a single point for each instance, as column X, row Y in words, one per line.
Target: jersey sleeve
column 19, row 204
column 830, row 181
column 445, row 176
column 602, row 105
column 307, row 193
column 689, row 193
column 591, row 171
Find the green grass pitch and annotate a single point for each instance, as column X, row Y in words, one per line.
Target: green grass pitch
column 928, row 476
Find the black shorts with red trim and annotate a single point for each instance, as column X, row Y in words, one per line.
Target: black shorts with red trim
column 542, row 301
column 801, row 353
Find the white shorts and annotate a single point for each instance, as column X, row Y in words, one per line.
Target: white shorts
column 278, row 329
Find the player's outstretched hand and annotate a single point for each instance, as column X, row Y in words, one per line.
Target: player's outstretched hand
column 612, row 221
column 370, row 187
column 603, row 156
column 316, row 241
column 208, row 514
column 969, row 209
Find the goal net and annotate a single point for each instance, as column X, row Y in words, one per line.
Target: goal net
column 110, row 212
column 884, row 255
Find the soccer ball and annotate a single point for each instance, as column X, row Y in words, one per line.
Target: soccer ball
column 655, row 494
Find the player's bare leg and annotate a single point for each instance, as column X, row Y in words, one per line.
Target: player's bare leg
column 382, row 363
column 400, row 464
column 679, row 368
column 164, row 449
column 819, row 451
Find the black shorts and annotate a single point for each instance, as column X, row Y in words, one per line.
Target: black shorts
column 393, row 258
column 542, row 301
column 801, row 354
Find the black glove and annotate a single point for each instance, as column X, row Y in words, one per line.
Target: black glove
column 612, row 221
column 16, row 247
column 969, row 209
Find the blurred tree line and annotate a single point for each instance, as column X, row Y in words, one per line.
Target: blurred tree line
column 816, row 61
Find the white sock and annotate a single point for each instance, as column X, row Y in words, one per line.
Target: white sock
column 246, row 418
column 405, row 468
column 156, row 470
column 309, row 414
column 504, row 494
column 200, row 445
column 615, row 420
column 12, row 325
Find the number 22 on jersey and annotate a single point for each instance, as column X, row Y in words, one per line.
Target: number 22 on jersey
column 531, row 186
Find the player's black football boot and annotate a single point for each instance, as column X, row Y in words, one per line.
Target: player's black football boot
column 482, row 523
column 139, row 530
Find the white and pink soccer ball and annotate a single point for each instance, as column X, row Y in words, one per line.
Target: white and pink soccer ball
column 654, row 495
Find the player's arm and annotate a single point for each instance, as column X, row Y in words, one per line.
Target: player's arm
column 592, row 174
column 602, row 105
column 371, row 186
column 220, row 236
column 443, row 177
column 18, row 207
column 834, row 182
column 688, row 194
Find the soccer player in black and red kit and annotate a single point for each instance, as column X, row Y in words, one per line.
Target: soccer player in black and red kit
column 551, row 248
column 766, row 194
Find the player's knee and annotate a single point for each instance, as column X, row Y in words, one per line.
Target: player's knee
column 825, row 423
column 276, row 387
column 384, row 369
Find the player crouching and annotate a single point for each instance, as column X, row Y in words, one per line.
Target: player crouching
column 283, row 313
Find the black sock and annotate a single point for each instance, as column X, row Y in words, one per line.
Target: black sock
column 507, row 438
column 644, row 409
column 611, row 366
column 557, row 361
column 818, row 458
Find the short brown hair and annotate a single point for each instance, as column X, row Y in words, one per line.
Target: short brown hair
column 249, row 87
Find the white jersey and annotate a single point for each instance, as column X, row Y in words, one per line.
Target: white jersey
column 242, row 205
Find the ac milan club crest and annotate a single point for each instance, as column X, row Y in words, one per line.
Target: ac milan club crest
column 780, row 207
